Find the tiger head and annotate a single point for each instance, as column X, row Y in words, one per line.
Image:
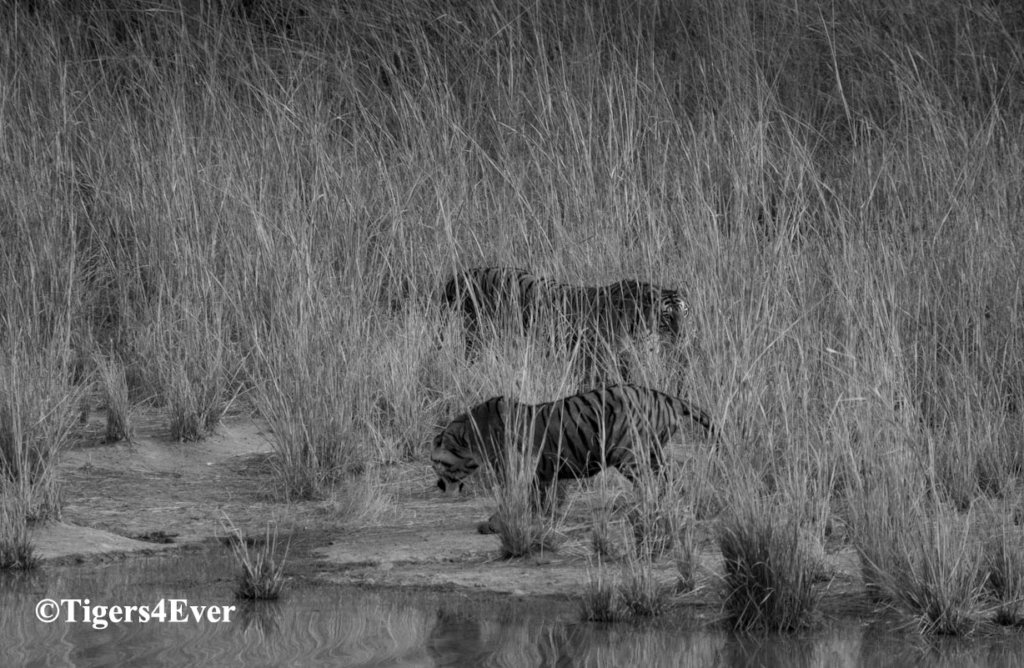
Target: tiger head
column 470, row 440
column 674, row 310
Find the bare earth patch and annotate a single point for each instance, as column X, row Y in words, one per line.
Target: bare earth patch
column 156, row 494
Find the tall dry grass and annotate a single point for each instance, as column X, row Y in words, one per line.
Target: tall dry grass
column 120, row 423
column 38, row 418
column 265, row 207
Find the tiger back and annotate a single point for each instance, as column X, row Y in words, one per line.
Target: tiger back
column 622, row 426
column 505, row 299
column 605, row 325
column 597, row 326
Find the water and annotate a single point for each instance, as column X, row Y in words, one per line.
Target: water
column 326, row 625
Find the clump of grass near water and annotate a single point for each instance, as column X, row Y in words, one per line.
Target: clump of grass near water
column 768, row 576
column 522, row 527
column 933, row 576
column 16, row 548
column 1004, row 569
column 641, row 592
column 602, row 540
column 651, row 529
column 920, row 557
column 638, row 591
column 262, row 576
column 601, row 600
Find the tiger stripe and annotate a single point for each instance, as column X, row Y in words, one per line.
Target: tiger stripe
column 495, row 294
column 590, row 319
column 574, row 437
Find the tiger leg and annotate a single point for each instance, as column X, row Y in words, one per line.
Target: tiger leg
column 650, row 517
column 492, row 525
column 659, row 472
column 472, row 326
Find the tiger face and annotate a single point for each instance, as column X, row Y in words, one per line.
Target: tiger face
column 450, row 468
column 674, row 310
column 467, row 441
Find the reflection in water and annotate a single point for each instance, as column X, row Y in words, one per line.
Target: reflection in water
column 327, row 625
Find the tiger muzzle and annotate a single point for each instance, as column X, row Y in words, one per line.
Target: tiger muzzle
column 443, row 484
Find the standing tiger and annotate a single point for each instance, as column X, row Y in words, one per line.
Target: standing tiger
column 498, row 295
column 599, row 323
column 648, row 306
column 585, row 319
column 624, row 426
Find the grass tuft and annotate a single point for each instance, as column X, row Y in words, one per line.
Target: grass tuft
column 768, row 576
column 38, row 418
column 1004, row 569
column 16, row 549
column 262, row 576
column 119, row 408
column 603, row 539
column 922, row 558
column 601, row 600
column 522, row 528
column 642, row 593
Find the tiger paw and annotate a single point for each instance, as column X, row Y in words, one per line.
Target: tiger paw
column 492, row 525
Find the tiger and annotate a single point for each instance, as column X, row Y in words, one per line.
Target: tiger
column 650, row 306
column 602, row 321
column 586, row 319
column 622, row 426
column 495, row 294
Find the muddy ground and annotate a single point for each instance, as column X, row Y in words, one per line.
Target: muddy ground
column 156, row 494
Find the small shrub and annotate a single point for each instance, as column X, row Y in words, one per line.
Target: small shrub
column 637, row 593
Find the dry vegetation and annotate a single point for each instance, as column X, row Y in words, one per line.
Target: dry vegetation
column 260, row 561
column 256, row 204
